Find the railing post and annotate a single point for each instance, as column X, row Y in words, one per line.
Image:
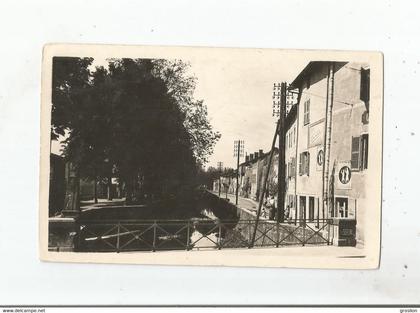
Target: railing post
column 277, row 234
column 249, row 235
column 304, row 232
column 329, row 225
column 79, row 236
column 220, row 236
column 154, row 236
column 188, row 236
column 118, row 238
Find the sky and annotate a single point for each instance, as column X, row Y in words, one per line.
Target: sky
column 237, row 89
column 238, row 96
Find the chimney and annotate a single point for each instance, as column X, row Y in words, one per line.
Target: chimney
column 251, row 156
column 247, row 158
column 255, row 155
column 261, row 153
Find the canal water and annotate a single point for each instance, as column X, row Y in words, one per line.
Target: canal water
column 142, row 227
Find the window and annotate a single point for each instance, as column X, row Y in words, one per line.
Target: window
column 291, row 168
column 304, row 158
column 290, row 202
column 364, row 144
column 290, row 139
column 311, row 208
column 364, row 85
column 302, row 206
column 341, row 207
column 306, row 106
column 359, row 152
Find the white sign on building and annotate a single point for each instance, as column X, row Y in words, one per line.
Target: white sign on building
column 343, row 175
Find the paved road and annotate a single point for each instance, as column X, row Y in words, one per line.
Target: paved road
column 244, row 203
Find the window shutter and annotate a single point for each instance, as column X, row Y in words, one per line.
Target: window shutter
column 307, row 111
column 355, row 153
column 291, row 167
column 300, row 163
column 307, row 163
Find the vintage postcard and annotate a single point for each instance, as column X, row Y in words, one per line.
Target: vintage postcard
column 211, row 156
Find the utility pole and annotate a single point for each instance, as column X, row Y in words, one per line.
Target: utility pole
column 327, row 137
column 282, row 149
column 220, row 168
column 238, row 151
column 279, row 110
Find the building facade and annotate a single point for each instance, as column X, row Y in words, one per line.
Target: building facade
column 291, row 133
column 332, row 158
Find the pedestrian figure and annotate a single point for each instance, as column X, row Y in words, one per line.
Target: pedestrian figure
column 287, row 212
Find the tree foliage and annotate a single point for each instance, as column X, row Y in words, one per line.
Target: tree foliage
column 137, row 120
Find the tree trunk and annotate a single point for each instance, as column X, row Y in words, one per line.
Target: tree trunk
column 95, row 190
column 109, row 188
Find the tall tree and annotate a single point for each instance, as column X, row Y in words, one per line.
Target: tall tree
column 181, row 86
column 138, row 118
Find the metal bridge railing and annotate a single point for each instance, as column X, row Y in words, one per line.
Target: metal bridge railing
column 196, row 234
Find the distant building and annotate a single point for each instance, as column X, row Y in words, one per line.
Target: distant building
column 253, row 171
column 348, row 157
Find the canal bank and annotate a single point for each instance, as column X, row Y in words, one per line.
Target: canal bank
column 111, row 225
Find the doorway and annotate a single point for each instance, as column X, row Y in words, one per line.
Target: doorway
column 311, row 209
column 302, row 209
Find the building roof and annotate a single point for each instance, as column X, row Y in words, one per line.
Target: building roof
column 311, row 67
column 264, row 155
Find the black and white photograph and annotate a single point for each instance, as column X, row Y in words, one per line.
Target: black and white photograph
column 209, row 156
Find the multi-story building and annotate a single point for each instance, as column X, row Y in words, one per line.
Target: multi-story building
column 338, row 176
column 290, row 161
column 253, row 171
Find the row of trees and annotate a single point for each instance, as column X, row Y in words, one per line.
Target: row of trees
column 208, row 176
column 136, row 120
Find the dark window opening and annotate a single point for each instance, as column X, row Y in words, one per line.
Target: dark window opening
column 365, row 85
column 302, row 207
column 364, row 148
column 311, row 208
